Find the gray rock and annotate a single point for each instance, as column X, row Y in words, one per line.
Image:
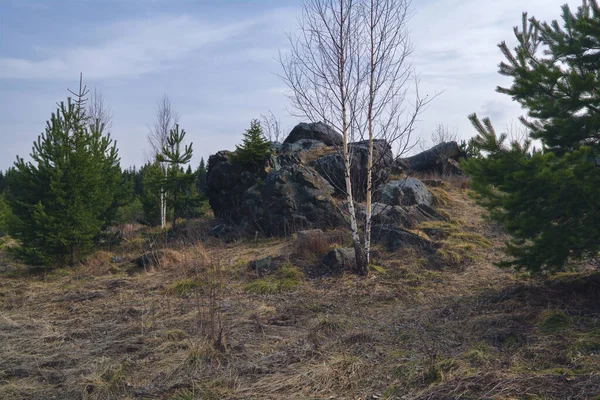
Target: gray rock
column 331, row 167
column 434, row 159
column 405, row 192
column 315, row 131
column 338, row 260
column 301, row 145
column 290, row 199
column 116, row 259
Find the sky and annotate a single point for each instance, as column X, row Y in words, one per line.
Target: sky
column 216, row 60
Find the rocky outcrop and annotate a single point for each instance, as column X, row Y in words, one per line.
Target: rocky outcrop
column 315, row 131
column 297, row 186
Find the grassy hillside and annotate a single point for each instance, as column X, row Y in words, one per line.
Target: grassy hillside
column 197, row 323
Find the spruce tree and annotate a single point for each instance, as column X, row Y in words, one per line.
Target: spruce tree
column 65, row 196
column 201, row 173
column 253, row 151
column 547, row 200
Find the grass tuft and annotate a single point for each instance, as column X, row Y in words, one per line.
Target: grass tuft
column 109, row 381
column 287, row 278
column 377, row 269
column 184, row 287
column 553, row 321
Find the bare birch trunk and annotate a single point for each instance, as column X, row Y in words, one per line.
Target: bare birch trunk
column 358, row 251
column 370, row 119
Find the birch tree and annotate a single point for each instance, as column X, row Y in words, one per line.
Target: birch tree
column 158, row 136
column 390, row 76
column 349, row 67
column 322, row 72
column 98, row 111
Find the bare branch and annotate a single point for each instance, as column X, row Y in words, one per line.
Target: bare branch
column 166, row 119
column 98, row 111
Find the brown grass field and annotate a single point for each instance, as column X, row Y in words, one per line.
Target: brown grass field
column 201, row 325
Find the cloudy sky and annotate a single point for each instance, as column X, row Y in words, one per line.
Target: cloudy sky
column 216, row 60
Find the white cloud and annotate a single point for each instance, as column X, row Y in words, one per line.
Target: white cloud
column 456, row 52
column 137, row 47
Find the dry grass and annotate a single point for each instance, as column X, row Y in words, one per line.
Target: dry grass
column 189, row 329
column 311, row 248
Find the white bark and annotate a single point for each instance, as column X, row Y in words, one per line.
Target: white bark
column 166, row 119
column 349, row 68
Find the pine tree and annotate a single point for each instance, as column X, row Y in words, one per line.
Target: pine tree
column 67, row 194
column 253, row 151
column 547, row 200
column 4, row 216
column 2, row 182
column 181, row 198
column 151, row 180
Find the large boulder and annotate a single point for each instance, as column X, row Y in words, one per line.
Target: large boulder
column 315, row 131
column 290, row 199
column 441, row 158
column 331, row 167
column 405, row 192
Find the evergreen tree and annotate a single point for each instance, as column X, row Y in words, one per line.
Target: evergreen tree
column 201, row 173
column 2, row 182
column 547, row 200
column 4, row 216
column 181, row 198
column 253, row 151
column 151, row 179
column 67, row 195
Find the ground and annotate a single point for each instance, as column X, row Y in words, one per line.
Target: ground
column 201, row 325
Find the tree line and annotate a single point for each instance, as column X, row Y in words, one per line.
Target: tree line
column 349, row 66
column 59, row 204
